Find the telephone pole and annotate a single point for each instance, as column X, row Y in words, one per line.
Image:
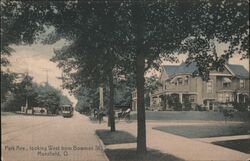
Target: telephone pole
column 101, row 104
column 47, row 74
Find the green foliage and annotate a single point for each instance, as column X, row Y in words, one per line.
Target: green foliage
column 114, row 37
column 123, row 90
column 151, row 84
column 177, row 106
column 35, row 95
column 187, row 105
column 240, row 106
column 49, row 98
column 87, row 99
column 173, row 102
column 7, row 84
column 25, row 90
column 200, row 108
column 10, row 104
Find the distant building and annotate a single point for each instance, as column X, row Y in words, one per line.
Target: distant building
column 228, row 85
column 134, row 100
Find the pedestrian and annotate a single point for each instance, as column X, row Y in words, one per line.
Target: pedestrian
column 96, row 113
column 100, row 116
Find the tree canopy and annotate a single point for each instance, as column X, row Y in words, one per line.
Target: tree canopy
column 132, row 36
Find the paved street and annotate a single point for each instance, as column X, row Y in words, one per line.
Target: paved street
column 36, row 138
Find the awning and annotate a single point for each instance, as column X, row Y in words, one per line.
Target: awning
column 226, row 80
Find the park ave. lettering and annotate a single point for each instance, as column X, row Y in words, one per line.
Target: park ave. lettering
column 52, row 148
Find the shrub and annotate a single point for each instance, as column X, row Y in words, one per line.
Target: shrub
column 200, row 108
column 177, row 106
column 187, row 105
column 240, row 106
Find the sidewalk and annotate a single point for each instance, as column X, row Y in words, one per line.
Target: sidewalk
column 184, row 148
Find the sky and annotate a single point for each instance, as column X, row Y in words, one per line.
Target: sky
column 35, row 59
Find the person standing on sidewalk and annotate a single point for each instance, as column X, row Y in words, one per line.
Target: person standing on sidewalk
column 100, row 116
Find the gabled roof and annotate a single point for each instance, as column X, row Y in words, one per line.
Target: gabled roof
column 182, row 68
column 238, row 70
column 171, row 69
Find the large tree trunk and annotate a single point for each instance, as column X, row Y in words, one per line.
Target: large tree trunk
column 111, row 103
column 141, row 126
column 139, row 19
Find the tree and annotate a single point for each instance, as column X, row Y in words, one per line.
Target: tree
column 147, row 30
column 50, row 98
column 22, row 93
column 87, row 99
column 7, row 84
column 98, row 61
column 162, row 27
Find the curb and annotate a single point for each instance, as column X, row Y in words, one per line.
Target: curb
column 103, row 146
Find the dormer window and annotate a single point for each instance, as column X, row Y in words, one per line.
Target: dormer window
column 226, row 82
column 242, row 83
column 180, row 81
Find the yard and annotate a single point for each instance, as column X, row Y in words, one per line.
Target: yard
column 242, row 145
column 192, row 115
column 204, row 131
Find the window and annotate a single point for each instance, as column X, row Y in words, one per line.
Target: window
column 186, row 81
column 226, row 82
column 210, row 86
column 224, row 97
column 192, row 98
column 180, row 81
column 227, row 97
column 242, row 83
column 220, row 97
column 166, row 84
column 226, row 85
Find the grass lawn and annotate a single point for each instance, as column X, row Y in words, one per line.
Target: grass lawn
column 131, row 155
column 7, row 113
column 204, row 131
column 117, row 137
column 242, row 145
column 192, row 115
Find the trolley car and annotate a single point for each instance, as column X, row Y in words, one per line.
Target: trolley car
column 67, row 111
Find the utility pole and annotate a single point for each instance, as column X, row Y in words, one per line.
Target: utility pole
column 27, row 91
column 47, row 74
column 101, row 105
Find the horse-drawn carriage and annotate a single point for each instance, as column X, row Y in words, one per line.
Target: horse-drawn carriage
column 124, row 115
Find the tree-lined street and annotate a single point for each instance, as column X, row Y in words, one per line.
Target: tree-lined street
column 108, row 48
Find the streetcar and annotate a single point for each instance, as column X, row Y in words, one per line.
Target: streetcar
column 67, row 110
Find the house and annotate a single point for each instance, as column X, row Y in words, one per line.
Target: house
column 134, row 102
column 177, row 81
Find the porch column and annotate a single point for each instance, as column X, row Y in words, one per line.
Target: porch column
column 244, row 98
column 208, row 104
column 238, row 98
column 101, row 103
column 166, row 103
column 180, row 97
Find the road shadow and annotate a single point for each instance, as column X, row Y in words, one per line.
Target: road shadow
column 132, row 155
column 117, row 137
